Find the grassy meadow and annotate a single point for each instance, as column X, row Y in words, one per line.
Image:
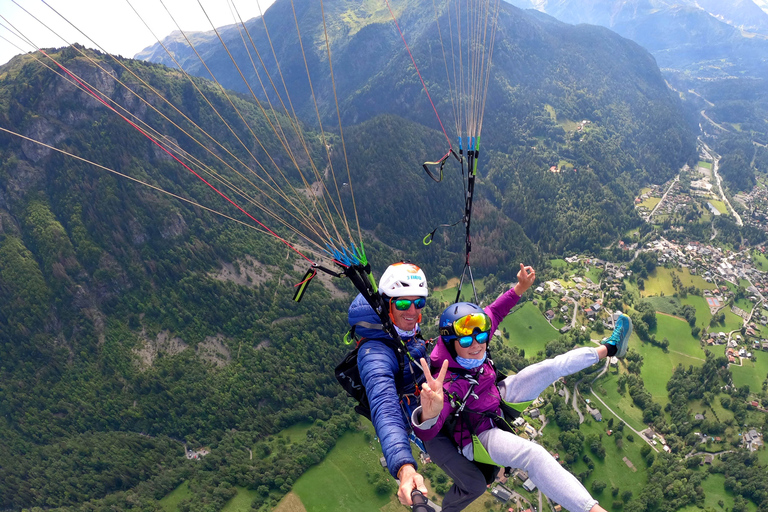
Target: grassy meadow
column 720, row 206
column 558, row 263
column 594, row 273
column 703, row 316
column 344, row 471
column 751, row 374
column 658, row 365
column 659, row 282
column 613, row 469
column 714, row 489
column 241, row 502
column 671, row 305
column 170, row 503
column 733, row 322
column 651, row 202
column 528, row 329
column 760, row 260
column 447, row 294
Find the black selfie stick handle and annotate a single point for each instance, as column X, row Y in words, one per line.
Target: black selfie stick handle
column 420, row 503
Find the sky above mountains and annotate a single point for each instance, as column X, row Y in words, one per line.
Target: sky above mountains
column 118, row 29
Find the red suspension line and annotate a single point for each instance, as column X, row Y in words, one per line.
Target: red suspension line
column 420, row 78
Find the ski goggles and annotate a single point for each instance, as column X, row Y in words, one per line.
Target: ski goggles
column 405, row 304
column 481, row 337
column 466, row 326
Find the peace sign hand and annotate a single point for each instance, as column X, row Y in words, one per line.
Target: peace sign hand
column 432, row 391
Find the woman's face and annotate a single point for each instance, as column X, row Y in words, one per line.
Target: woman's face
column 474, row 351
column 406, row 320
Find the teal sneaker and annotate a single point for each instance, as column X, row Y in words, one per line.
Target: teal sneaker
column 619, row 338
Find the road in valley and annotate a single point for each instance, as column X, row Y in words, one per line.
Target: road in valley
column 677, row 178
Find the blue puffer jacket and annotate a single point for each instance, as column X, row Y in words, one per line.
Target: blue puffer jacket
column 377, row 363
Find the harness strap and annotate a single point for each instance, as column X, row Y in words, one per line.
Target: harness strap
column 461, row 416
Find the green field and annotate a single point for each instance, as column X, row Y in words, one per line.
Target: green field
column 658, row 366
column 295, row 433
column 651, row 202
column 551, row 111
column 447, row 294
column 666, row 304
column 612, row 470
column 171, row 502
column 720, row 206
column 672, row 306
column 716, row 408
column 568, row 125
column 558, row 263
column 344, row 471
column 706, row 165
column 678, row 332
column 660, row 281
column 751, row 374
column 528, row 329
column 703, row 316
column 760, row 260
column 594, row 273
column 745, row 304
column 241, row 502
column 714, row 490
column 733, row 322
column 607, row 389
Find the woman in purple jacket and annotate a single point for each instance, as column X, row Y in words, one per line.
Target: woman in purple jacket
column 467, row 381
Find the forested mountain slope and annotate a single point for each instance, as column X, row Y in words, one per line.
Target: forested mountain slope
column 120, row 335
column 712, row 52
column 546, row 77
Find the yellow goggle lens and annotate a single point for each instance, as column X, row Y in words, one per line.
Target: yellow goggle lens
column 466, row 325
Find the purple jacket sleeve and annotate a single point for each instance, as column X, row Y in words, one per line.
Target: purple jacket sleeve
column 501, row 308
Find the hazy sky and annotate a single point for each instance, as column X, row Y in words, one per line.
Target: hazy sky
column 111, row 23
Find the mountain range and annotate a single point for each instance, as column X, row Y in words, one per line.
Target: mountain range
column 703, row 39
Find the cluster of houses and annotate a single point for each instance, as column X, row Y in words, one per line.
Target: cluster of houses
column 713, row 264
column 757, row 204
column 752, row 440
column 677, row 200
column 642, row 210
column 655, row 438
column 586, row 292
column 196, row 455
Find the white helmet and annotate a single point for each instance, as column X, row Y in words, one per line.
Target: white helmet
column 403, row 280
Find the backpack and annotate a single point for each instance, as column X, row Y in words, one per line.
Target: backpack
column 348, row 374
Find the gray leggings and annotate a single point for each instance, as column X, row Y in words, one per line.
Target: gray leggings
column 513, row 451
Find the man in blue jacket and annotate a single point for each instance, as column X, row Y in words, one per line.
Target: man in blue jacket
column 392, row 392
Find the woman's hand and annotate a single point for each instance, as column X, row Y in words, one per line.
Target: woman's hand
column 432, row 391
column 525, row 278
